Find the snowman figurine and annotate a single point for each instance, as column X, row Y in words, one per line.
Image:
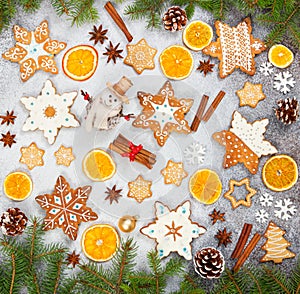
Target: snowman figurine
column 105, row 110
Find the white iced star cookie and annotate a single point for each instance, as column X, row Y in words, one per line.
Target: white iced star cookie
column 49, row 112
column 173, row 230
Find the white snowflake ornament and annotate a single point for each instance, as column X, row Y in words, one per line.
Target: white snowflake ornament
column 173, row 230
column 266, row 69
column 49, row 112
column 286, row 209
column 195, row 153
column 283, row 81
column 261, row 216
column 266, row 199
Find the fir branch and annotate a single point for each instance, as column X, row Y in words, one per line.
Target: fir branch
column 83, row 282
column 83, row 12
column 294, row 282
column 251, row 273
column 276, row 280
column 155, row 265
column 13, row 274
column 231, row 276
column 30, row 5
column 59, row 268
column 88, row 269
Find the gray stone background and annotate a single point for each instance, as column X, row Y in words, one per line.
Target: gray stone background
column 285, row 138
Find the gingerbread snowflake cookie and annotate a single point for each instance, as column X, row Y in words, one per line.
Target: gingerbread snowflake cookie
column 174, row 173
column 66, row 208
column 244, row 142
column 173, row 230
column 49, row 112
column 34, row 50
column 235, row 48
column 251, row 94
column 64, row 155
column 32, row 156
column 163, row 113
column 139, row 189
column 140, row 56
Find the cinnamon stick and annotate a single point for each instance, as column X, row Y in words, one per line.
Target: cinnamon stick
column 247, row 252
column 198, row 116
column 213, row 106
column 242, row 241
column 118, row 20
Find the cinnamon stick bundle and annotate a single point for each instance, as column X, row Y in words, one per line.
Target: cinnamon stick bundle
column 248, row 250
column 122, row 146
column 242, row 241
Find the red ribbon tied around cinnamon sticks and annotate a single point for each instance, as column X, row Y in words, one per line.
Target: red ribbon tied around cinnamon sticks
column 135, row 149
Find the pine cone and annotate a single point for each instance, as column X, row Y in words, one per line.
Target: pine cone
column 13, row 222
column 174, row 19
column 288, row 110
column 209, row 263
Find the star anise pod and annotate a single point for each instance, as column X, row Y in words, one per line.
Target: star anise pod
column 216, row 215
column 224, row 237
column 113, row 194
column 73, row 259
column 98, row 35
column 112, row 52
column 9, row 118
column 205, row 67
column 8, row 139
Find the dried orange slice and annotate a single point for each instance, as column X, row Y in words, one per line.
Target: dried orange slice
column 197, row 35
column 205, row 186
column 98, row 165
column 100, row 242
column 176, row 62
column 280, row 173
column 80, row 62
column 280, row 56
column 17, row 186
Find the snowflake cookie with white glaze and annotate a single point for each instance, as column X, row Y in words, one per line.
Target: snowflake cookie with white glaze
column 235, row 48
column 49, row 112
column 173, row 230
column 244, row 142
column 194, row 153
column 34, row 50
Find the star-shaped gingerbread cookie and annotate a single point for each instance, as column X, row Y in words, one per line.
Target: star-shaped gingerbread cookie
column 251, row 94
column 64, row 155
column 174, row 173
column 32, row 156
column 140, row 56
column 139, row 189
column 34, row 50
column 235, row 48
column 245, row 202
column 163, row 113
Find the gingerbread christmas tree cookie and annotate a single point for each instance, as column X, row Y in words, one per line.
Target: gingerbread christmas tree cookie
column 50, row 111
column 276, row 245
column 163, row 113
column 173, row 230
column 235, row 48
column 34, row 50
column 66, row 207
column 244, row 142
column 140, row 56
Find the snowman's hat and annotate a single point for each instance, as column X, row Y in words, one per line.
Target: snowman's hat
column 120, row 88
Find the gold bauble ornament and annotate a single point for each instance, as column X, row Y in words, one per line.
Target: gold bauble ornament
column 127, row 223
